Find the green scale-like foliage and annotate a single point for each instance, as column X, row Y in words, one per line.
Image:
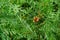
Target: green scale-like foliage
column 17, row 16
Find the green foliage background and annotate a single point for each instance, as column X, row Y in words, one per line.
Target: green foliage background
column 16, row 20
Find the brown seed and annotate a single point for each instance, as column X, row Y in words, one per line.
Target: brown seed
column 36, row 19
